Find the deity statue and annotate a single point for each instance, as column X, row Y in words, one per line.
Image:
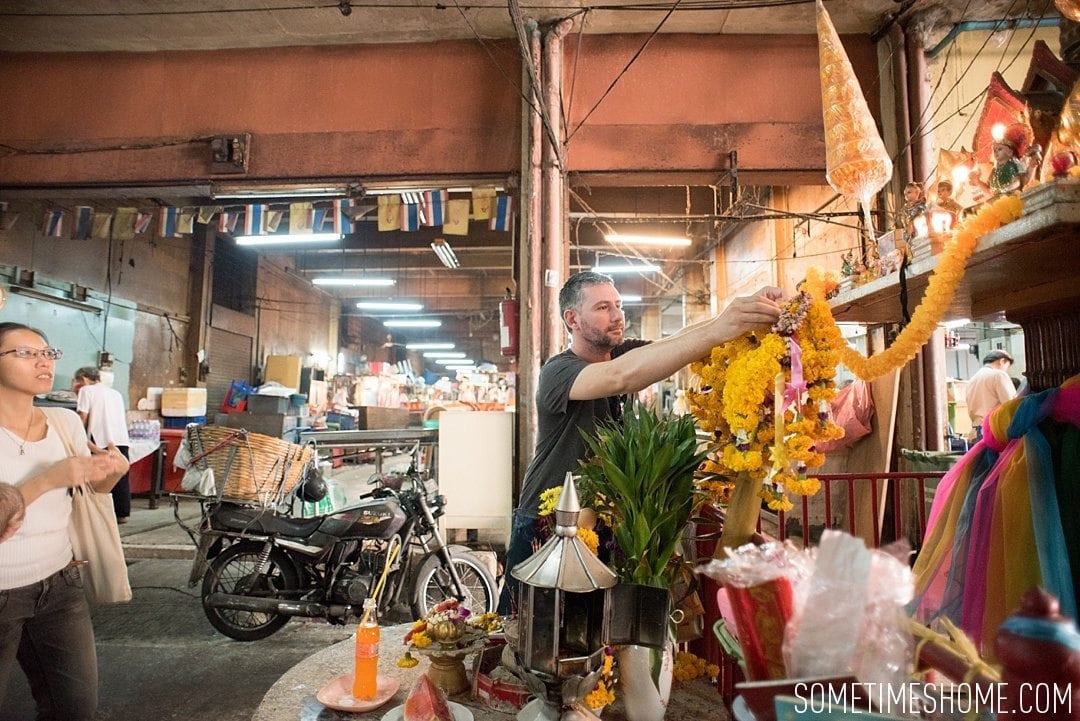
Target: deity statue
column 914, row 205
column 1009, row 172
column 946, row 202
column 847, row 264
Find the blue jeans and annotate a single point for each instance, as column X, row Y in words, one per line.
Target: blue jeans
column 46, row 626
column 522, row 536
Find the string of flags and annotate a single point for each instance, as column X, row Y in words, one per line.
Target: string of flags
column 408, row 212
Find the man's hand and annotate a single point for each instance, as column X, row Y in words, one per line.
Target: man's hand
column 750, row 312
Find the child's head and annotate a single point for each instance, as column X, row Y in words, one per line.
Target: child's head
column 912, row 192
column 12, row 510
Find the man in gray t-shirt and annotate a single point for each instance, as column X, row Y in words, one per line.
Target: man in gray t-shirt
column 586, row 384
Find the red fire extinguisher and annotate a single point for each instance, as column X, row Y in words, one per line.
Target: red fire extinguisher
column 508, row 325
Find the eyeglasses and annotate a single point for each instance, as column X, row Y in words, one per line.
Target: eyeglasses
column 28, row 353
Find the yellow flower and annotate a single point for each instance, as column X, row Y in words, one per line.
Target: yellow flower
column 549, row 499
column 407, row 661
column 589, row 537
column 421, row 640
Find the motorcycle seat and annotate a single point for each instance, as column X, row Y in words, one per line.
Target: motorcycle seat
column 231, row 517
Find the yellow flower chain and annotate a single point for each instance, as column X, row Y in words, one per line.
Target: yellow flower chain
column 688, row 667
column 940, row 290
column 604, row 693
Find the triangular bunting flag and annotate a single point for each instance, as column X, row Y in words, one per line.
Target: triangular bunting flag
column 389, row 212
column 482, row 199
column 301, row 218
column 321, row 216
column 83, row 215
column 101, row 226
column 207, row 213
column 273, row 220
column 142, row 222
column 457, row 217
column 54, row 224
column 502, row 212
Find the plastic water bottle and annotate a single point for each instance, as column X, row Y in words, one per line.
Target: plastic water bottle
column 366, row 672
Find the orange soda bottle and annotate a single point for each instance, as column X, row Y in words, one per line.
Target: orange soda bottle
column 365, row 676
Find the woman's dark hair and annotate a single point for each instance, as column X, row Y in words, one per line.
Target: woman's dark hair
column 6, row 328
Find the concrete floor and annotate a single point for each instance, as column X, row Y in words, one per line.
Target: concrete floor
column 158, row 656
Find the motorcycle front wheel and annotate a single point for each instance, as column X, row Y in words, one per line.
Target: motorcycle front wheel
column 236, row 571
column 434, row 584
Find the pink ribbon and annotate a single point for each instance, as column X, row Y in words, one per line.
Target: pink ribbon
column 795, row 388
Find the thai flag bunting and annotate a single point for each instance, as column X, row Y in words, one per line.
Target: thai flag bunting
column 301, row 218
column 434, row 207
column 342, row 221
column 207, row 213
column 389, row 213
column 186, row 221
column 456, row 221
column 142, row 221
column 124, row 223
column 273, row 220
column 417, row 199
column 411, row 216
column 54, row 223
column 255, row 219
column 101, row 226
column 83, row 217
column 223, row 221
column 319, row 222
column 167, row 220
column 502, row 212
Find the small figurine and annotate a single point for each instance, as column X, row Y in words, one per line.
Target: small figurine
column 847, row 264
column 1034, row 160
column 945, row 201
column 1009, row 172
column 914, row 205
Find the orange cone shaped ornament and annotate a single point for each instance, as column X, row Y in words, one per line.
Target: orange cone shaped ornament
column 1069, row 8
column 856, row 164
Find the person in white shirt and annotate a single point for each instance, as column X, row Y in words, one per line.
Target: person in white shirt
column 44, row 615
column 988, row 388
column 102, row 411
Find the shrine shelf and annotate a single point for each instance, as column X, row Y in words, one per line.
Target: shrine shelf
column 1027, row 267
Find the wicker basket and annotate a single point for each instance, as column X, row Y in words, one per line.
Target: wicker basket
column 249, row 466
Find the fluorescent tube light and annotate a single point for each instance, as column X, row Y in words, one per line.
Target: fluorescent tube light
column 288, row 239
column 448, row 354
column 457, row 362
column 249, row 193
column 630, row 298
column 666, row 241
column 337, row 280
column 626, row 268
column 445, row 253
column 388, row 305
column 413, row 323
column 429, row 346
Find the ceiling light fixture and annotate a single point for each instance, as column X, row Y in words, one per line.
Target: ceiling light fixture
column 457, row 362
column 630, row 298
column 667, row 241
column 341, row 281
column 444, row 354
column 389, row 305
column 279, row 191
column 445, row 253
column 413, row 323
column 429, row 346
column 251, row 240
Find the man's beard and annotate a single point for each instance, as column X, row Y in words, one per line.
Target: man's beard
column 601, row 340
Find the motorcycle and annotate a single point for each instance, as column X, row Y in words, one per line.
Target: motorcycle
column 266, row 567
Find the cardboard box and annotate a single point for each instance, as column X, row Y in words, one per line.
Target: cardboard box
column 176, row 402
column 283, row 369
column 267, row 404
column 377, row 417
column 269, row 424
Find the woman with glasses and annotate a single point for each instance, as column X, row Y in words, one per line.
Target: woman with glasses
column 44, row 615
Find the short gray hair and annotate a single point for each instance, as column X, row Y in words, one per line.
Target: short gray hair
column 573, row 290
column 996, row 355
column 89, row 373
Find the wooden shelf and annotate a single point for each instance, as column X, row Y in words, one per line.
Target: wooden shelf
column 1022, row 268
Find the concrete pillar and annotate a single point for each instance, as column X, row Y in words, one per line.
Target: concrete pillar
column 556, row 239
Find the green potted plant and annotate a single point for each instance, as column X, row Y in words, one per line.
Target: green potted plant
column 639, row 477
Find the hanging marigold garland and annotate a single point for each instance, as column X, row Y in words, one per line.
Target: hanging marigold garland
column 743, row 378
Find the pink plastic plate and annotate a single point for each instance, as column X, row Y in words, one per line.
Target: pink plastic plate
column 338, row 694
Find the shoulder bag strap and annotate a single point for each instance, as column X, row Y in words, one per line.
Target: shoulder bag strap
column 56, row 420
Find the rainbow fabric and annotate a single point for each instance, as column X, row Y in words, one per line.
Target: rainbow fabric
column 995, row 528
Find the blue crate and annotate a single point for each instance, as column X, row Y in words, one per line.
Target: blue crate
column 182, row 421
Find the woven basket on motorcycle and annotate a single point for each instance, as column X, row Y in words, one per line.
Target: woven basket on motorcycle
column 247, row 466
